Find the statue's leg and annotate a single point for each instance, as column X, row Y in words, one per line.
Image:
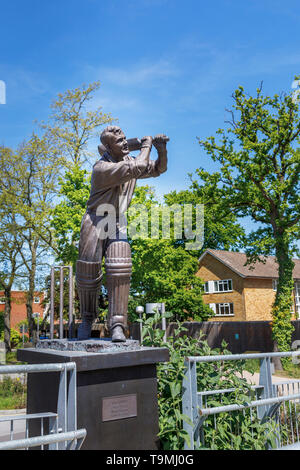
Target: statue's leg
column 88, row 277
column 118, row 268
column 88, row 274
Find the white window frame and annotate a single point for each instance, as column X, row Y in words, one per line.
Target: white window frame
column 274, row 284
column 36, row 301
column 2, row 302
column 222, row 283
column 216, row 308
column 213, row 287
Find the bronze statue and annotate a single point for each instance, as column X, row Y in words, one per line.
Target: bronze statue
column 113, row 181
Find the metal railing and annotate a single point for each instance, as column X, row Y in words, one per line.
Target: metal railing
column 62, row 425
column 267, row 401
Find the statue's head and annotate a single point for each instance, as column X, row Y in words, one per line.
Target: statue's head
column 113, row 138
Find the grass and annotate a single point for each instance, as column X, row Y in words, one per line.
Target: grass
column 292, row 371
column 12, row 391
column 12, row 394
column 11, row 358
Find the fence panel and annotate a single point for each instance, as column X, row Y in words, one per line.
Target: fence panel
column 277, row 405
column 63, row 433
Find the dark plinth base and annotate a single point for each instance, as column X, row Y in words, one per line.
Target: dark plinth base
column 101, row 377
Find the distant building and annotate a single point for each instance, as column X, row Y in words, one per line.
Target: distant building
column 18, row 306
column 236, row 292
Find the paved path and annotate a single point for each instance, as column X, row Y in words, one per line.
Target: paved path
column 287, row 387
column 254, row 379
column 19, row 426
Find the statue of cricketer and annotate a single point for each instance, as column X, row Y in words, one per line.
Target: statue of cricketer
column 112, row 184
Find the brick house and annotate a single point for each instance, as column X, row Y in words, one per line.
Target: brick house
column 236, row 292
column 18, row 306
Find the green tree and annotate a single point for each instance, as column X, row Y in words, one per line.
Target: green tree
column 32, row 173
column 67, row 215
column 72, row 124
column 221, row 228
column 38, row 174
column 162, row 271
column 10, row 237
column 259, row 177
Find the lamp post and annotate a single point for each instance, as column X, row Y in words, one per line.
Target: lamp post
column 140, row 310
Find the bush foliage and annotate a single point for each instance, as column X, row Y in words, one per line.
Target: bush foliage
column 226, row 431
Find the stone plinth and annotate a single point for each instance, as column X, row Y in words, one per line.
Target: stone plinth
column 116, row 390
column 91, row 345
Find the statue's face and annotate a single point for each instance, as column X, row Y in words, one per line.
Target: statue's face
column 118, row 146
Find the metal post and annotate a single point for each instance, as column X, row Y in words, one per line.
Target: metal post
column 265, row 379
column 189, row 400
column 70, row 302
column 61, row 303
column 52, row 304
column 141, row 329
column 140, row 310
column 72, row 402
column 163, row 320
column 62, row 405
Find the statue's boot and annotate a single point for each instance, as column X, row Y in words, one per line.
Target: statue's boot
column 88, row 278
column 118, row 267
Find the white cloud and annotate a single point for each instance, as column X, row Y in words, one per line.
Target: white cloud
column 139, row 75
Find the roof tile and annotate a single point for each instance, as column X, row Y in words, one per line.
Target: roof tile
column 267, row 269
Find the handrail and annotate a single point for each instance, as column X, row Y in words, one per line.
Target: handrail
column 44, row 440
column 233, row 357
column 24, row 368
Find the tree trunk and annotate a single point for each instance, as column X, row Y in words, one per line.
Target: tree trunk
column 282, row 327
column 7, row 310
column 30, row 295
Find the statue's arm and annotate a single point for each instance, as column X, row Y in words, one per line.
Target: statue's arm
column 108, row 174
column 159, row 166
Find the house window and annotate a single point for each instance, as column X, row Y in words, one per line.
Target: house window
column 274, row 284
column 2, row 300
column 223, row 286
column 212, row 287
column 36, row 300
column 224, row 309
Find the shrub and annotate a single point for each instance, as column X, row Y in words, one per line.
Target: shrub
column 225, row 431
column 15, row 336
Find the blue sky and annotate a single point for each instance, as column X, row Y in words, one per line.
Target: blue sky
column 164, row 65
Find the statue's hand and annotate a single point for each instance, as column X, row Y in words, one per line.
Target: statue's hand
column 160, row 142
column 146, row 142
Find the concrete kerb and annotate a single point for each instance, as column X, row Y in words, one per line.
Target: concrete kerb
column 19, row 411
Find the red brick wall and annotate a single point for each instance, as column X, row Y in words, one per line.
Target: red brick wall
column 18, row 307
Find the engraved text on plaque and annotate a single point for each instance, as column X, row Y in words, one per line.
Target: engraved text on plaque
column 119, row 407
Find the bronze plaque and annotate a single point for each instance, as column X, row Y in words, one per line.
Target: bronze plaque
column 119, row 407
